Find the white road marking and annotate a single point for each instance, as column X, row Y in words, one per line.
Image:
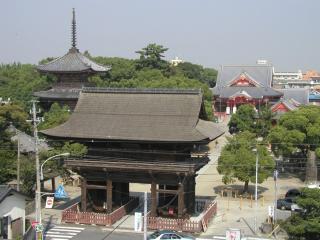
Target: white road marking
column 55, row 232
column 52, row 235
column 74, row 228
column 64, row 230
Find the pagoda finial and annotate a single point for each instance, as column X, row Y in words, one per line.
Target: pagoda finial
column 74, row 30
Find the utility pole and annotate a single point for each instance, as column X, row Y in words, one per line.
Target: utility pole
column 35, row 121
column 18, row 165
column 256, row 194
column 275, row 177
column 145, row 216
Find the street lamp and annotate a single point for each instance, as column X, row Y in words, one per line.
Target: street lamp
column 38, row 191
column 55, row 156
column 256, row 191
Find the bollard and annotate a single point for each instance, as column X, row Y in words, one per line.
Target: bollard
column 251, row 200
column 240, row 202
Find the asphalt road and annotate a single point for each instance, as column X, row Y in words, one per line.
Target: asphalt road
column 81, row 232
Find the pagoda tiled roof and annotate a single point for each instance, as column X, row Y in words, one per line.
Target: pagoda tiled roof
column 152, row 115
column 72, row 62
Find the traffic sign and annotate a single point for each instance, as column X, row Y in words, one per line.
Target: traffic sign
column 60, row 193
column 49, row 202
column 33, row 224
column 39, row 227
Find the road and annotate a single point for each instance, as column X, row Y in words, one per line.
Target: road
column 81, row 232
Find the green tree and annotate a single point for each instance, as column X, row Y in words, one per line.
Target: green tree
column 55, row 117
column 305, row 225
column 238, row 160
column 264, row 121
column 15, row 115
column 243, row 119
column 194, row 71
column 19, row 81
column 152, row 57
column 298, row 131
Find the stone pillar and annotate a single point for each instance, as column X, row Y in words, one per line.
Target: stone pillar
column 84, row 195
column 228, row 108
column 109, row 196
column 234, row 109
column 153, row 199
column 180, row 200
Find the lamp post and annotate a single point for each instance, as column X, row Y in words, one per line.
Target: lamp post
column 256, row 191
column 38, row 192
column 256, row 194
column 58, row 155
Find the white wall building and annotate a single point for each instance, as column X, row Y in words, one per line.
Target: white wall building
column 12, row 213
column 176, row 61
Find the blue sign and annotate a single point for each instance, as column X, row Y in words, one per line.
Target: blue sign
column 60, row 192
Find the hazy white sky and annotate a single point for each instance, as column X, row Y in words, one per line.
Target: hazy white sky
column 207, row 32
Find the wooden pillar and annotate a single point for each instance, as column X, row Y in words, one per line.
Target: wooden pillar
column 109, row 196
column 53, row 184
column 84, row 195
column 125, row 192
column 180, row 200
column 192, row 195
column 153, row 199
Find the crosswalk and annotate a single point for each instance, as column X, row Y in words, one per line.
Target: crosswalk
column 62, row 233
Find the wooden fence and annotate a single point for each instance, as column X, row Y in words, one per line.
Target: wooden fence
column 73, row 215
column 185, row 225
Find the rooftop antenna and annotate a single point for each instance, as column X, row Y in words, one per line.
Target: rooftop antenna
column 74, row 30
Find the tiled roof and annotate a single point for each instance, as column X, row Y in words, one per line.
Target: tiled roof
column 300, row 95
column 62, row 94
column 138, row 115
column 260, row 73
column 73, row 61
column 27, row 142
column 6, row 190
column 254, row 92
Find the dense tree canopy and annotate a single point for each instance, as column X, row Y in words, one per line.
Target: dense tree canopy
column 247, row 119
column 298, row 131
column 56, row 116
column 15, row 115
column 238, row 160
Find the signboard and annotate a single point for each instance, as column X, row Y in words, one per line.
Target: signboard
column 49, row 202
column 60, row 193
column 233, row 234
column 137, row 221
column 33, row 224
column 39, row 227
column 270, row 211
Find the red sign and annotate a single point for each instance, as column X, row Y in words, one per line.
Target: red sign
column 49, row 202
column 33, row 224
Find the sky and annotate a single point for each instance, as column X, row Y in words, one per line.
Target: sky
column 207, row 32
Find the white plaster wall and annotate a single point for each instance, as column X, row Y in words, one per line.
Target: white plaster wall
column 14, row 206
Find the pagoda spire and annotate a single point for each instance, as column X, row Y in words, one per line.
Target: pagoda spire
column 74, row 30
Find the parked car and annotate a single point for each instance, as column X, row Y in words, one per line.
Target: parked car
column 168, row 234
column 293, row 193
column 288, row 203
column 284, row 204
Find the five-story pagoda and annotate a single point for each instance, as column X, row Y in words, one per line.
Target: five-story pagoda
column 71, row 72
